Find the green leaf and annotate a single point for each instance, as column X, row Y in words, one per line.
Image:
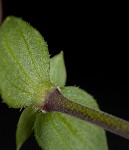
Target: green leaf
column 55, row 131
column 24, row 64
column 25, row 125
column 58, row 70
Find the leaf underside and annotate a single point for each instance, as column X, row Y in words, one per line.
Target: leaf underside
column 25, row 125
column 57, row 69
column 24, row 63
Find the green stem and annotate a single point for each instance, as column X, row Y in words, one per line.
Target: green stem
column 55, row 101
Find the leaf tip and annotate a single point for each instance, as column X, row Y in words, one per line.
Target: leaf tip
column 61, row 54
column 9, row 18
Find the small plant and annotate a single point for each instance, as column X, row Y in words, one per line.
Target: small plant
column 55, row 113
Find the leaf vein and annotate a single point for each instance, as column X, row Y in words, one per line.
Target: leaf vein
column 16, row 59
column 58, row 130
column 29, row 51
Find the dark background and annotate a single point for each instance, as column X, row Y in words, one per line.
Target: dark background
column 93, row 37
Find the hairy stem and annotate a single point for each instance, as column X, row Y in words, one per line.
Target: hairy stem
column 55, row 101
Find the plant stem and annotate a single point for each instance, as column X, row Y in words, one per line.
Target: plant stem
column 55, row 101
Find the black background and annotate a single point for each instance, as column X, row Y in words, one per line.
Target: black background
column 93, row 37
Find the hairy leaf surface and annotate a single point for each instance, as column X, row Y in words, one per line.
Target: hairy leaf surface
column 24, row 63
